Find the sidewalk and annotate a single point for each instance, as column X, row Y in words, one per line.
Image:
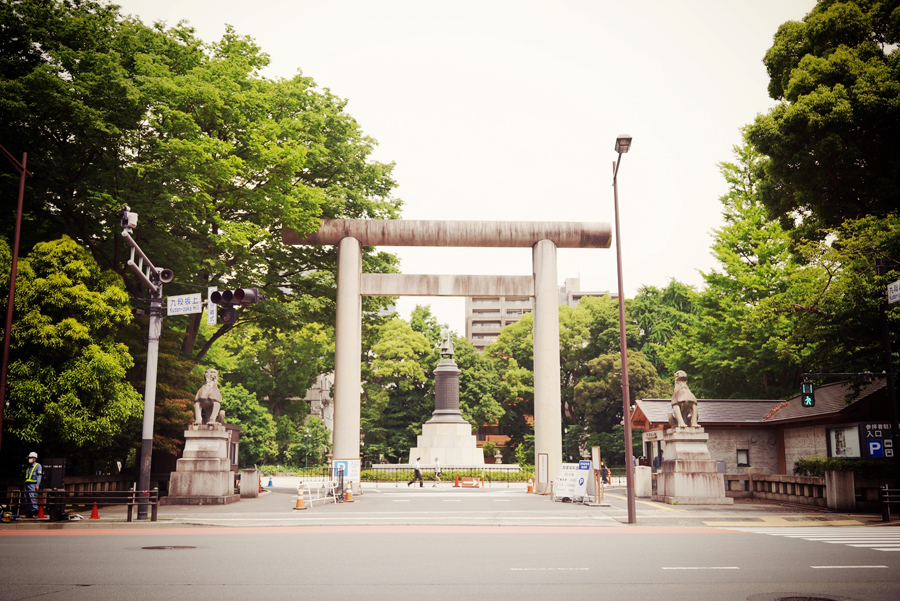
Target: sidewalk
column 391, row 504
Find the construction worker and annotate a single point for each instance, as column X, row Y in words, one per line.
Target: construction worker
column 33, row 473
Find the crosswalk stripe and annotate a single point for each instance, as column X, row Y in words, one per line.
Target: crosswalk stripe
column 850, row 536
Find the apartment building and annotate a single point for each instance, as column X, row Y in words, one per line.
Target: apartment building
column 487, row 315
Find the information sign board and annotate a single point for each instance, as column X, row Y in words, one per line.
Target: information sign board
column 184, row 304
column 894, row 292
column 350, row 468
column 876, row 439
column 572, row 481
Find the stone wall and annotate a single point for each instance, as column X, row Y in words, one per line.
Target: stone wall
column 723, row 446
column 803, row 443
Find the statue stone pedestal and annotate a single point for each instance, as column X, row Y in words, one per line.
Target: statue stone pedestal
column 447, row 436
column 688, row 475
column 203, row 474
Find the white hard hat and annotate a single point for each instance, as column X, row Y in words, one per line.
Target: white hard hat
column 32, row 454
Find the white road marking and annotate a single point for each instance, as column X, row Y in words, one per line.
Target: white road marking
column 843, row 567
column 703, row 568
column 549, row 569
column 851, row 536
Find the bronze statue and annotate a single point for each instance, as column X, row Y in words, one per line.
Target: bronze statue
column 208, row 401
column 684, row 404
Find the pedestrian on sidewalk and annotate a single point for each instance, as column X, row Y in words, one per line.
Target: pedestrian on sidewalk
column 437, row 472
column 417, row 475
column 33, row 473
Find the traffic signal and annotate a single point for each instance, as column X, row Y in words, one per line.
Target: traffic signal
column 238, row 296
column 808, row 394
column 228, row 298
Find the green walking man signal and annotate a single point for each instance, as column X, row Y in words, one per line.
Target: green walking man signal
column 808, row 394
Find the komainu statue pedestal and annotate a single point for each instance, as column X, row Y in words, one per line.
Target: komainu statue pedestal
column 688, row 474
column 203, row 475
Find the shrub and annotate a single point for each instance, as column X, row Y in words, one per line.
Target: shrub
column 867, row 469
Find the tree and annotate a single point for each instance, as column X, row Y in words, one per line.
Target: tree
column 397, row 380
column 661, row 313
column 67, row 387
column 479, row 386
column 741, row 344
column 216, row 159
column 832, row 141
column 598, row 398
column 241, row 407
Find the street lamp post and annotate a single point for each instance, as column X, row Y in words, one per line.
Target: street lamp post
column 307, row 447
column 623, row 145
column 566, row 431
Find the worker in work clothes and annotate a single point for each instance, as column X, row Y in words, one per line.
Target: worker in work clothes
column 33, row 473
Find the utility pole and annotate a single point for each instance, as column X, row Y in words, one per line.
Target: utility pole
column 20, row 167
column 153, row 278
column 889, row 372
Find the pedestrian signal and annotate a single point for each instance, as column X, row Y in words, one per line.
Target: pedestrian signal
column 807, row 394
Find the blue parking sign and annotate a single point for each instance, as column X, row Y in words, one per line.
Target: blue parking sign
column 876, row 448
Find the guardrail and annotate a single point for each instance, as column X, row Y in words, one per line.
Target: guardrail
column 803, row 490
column 57, row 501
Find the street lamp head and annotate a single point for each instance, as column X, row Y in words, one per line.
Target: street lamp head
column 623, row 143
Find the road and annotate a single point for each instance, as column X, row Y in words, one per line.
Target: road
column 450, row 544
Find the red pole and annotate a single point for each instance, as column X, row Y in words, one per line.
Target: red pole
column 12, row 281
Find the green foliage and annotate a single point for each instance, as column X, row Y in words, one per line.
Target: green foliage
column 868, row 469
column 67, row 386
column 741, row 343
column 831, row 140
column 480, row 386
column 397, row 384
column 524, row 452
column 488, row 449
column 661, row 313
column 280, row 365
column 241, row 407
column 598, row 397
column 310, row 445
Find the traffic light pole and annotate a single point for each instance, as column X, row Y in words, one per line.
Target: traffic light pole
column 151, row 276
column 891, row 391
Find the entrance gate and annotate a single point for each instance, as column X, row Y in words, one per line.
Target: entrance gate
column 350, row 235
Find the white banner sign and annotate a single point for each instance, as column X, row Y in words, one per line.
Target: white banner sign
column 211, row 307
column 572, row 481
column 185, row 304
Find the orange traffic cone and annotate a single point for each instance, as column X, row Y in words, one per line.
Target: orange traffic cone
column 348, row 494
column 456, row 481
column 94, row 514
column 530, row 485
column 300, row 504
column 41, row 512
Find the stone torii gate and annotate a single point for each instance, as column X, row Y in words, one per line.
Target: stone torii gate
column 350, row 235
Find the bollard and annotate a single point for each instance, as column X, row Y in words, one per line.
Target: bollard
column 270, row 480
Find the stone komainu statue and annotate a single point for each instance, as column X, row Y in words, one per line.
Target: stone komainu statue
column 208, row 401
column 684, row 404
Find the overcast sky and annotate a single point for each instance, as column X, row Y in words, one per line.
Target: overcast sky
column 502, row 110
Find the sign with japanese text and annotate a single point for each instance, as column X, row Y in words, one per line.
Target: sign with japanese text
column 211, row 308
column 185, row 304
column 894, row 292
column 876, row 439
column 572, row 480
